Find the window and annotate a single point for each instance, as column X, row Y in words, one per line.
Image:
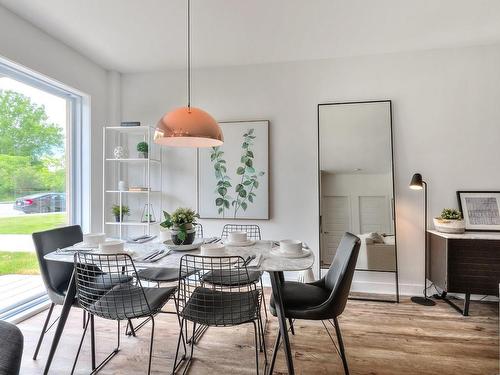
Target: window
column 44, row 175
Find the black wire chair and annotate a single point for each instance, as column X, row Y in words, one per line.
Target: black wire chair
column 107, row 286
column 253, row 233
column 252, row 230
column 158, row 276
column 165, row 275
column 215, row 304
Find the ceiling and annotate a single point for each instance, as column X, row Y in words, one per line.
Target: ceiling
column 149, row 35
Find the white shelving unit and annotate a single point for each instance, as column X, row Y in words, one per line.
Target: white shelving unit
column 134, row 171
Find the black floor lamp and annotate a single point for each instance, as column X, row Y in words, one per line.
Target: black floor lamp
column 417, row 183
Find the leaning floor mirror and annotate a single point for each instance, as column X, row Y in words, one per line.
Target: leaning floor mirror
column 356, row 189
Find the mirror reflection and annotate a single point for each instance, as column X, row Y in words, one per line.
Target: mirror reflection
column 356, row 182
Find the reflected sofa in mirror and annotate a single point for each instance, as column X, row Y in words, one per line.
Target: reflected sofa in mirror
column 356, row 185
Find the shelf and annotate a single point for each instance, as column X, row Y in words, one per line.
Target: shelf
column 134, row 160
column 130, row 223
column 133, row 192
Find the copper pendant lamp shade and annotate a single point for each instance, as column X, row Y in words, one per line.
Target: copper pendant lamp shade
column 188, row 127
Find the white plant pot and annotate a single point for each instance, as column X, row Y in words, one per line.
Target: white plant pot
column 449, row 226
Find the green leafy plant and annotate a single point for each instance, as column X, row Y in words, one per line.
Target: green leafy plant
column 180, row 220
column 142, row 147
column 450, row 214
column 245, row 190
column 120, row 211
column 223, row 181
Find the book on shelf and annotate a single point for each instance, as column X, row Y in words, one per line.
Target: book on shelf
column 130, row 123
column 138, row 188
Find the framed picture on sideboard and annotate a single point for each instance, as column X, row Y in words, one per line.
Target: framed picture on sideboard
column 481, row 210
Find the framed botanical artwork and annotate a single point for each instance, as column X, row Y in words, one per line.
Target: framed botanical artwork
column 481, row 210
column 233, row 179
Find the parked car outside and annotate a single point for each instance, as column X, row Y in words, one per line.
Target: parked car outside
column 41, row 203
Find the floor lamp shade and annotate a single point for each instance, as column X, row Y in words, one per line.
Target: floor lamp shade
column 416, row 182
column 188, row 127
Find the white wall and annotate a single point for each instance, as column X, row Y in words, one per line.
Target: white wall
column 27, row 45
column 446, row 126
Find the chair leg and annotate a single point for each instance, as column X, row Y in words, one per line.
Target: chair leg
column 151, row 343
column 44, row 330
column 80, row 346
column 341, row 345
column 256, row 346
column 130, row 330
column 275, row 352
column 264, row 299
column 263, row 348
column 291, row 326
column 84, row 319
column 181, row 337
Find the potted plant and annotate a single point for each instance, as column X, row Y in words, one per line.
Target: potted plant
column 180, row 223
column 143, row 149
column 119, row 212
column 450, row 221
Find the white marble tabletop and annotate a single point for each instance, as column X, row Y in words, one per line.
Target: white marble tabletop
column 269, row 263
column 468, row 235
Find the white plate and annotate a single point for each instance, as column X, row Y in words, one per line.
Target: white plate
column 305, row 253
column 195, row 245
column 246, row 243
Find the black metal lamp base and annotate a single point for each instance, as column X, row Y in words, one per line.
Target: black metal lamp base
column 423, row 301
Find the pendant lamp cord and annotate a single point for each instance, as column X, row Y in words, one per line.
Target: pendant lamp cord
column 189, row 55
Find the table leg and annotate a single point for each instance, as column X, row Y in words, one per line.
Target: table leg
column 68, row 302
column 276, row 278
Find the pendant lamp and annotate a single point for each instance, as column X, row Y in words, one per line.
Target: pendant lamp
column 188, row 126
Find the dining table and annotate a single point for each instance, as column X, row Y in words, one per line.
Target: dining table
column 271, row 261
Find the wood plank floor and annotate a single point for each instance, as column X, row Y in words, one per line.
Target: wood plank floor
column 380, row 338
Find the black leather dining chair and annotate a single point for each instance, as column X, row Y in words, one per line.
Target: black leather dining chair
column 324, row 299
column 55, row 275
column 11, row 349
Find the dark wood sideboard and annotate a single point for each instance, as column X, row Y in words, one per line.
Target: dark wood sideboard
column 466, row 263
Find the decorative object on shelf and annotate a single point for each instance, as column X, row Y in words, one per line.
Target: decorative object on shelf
column 143, row 149
column 119, row 212
column 138, row 188
column 122, row 186
column 481, row 210
column 119, row 152
column 130, row 123
column 234, row 178
column 180, row 222
column 450, row 221
column 417, row 183
column 188, row 126
column 148, row 215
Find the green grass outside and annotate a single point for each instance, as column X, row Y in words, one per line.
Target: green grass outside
column 18, row 263
column 28, row 224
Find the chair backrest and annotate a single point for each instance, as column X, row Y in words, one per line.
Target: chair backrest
column 252, row 230
column 56, row 275
column 217, row 292
column 11, row 348
column 199, row 230
column 107, row 286
column 339, row 277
